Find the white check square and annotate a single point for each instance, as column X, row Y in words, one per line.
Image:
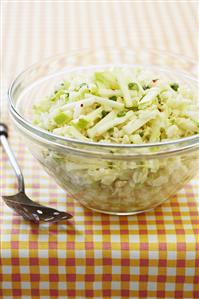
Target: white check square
column 80, row 270
column 171, row 271
column 25, row 285
column 24, row 269
column 134, row 270
column 44, row 285
column 169, row 286
column 7, row 269
column 153, row 271
column 154, row 255
column 97, row 285
column 188, row 287
column 115, row 285
column 152, row 286
column 116, row 269
column 80, row 285
column 44, row 269
column 62, row 285
column 7, row 285
column 134, row 286
column 190, row 272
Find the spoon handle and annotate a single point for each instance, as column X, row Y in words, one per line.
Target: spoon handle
column 10, row 154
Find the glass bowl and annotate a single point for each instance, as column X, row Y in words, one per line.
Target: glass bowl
column 117, row 179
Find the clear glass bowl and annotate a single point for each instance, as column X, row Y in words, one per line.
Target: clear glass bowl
column 109, row 178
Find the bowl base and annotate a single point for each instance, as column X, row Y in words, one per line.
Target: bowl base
column 124, row 213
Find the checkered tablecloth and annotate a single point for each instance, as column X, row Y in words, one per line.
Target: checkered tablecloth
column 151, row 255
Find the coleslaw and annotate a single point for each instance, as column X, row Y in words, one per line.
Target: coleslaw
column 120, row 105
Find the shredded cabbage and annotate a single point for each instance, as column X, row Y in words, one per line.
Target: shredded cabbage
column 131, row 101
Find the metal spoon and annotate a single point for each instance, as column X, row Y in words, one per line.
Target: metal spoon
column 20, row 202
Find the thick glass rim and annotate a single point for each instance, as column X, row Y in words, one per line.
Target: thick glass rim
column 50, row 137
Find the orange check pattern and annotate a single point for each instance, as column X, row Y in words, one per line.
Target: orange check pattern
column 152, row 255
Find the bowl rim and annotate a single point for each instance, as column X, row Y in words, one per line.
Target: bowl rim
column 51, row 137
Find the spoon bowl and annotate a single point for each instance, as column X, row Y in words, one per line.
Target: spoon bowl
column 20, row 202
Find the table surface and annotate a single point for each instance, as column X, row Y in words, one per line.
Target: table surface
column 151, row 255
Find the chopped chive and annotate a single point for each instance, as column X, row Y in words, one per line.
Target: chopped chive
column 104, row 113
column 82, row 123
column 133, row 86
column 159, row 99
column 141, row 134
column 53, row 99
column 121, row 113
column 61, row 118
column 146, row 87
column 111, row 130
column 113, row 98
column 134, row 108
column 174, row 86
column 83, row 84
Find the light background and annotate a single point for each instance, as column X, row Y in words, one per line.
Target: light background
column 33, row 30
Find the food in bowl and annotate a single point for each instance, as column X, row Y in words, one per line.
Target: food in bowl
column 119, row 105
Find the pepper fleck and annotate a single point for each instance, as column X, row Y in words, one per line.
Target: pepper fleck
column 155, row 80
